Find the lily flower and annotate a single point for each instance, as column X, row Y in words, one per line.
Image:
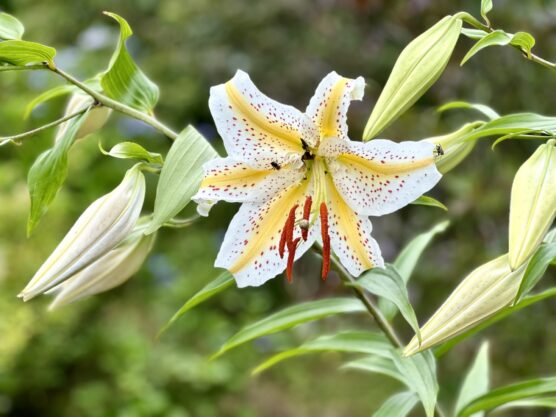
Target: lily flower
column 301, row 179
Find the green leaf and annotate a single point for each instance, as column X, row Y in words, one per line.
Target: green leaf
column 544, row 256
column 48, row 95
column 475, row 34
column 407, row 259
column 486, row 6
column 132, row 150
column 398, row 405
column 24, row 52
column 419, row 375
column 490, row 113
column 377, row 365
column 388, row 284
column 351, row 342
column 525, row 41
column 476, row 381
column 502, row 314
column 290, row 317
column 10, row 27
column 48, row 173
column 498, row 37
column 417, row 68
column 124, row 81
column 512, row 123
column 216, row 286
column 425, row 200
column 539, row 402
column 181, row 175
column 509, row 393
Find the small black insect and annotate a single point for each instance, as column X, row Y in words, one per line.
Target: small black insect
column 304, row 145
column 275, row 165
column 439, row 150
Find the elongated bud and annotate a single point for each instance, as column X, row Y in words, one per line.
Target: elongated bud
column 417, row 68
column 109, row 271
column 483, row 292
column 101, row 227
column 95, row 120
column 533, row 203
column 454, row 147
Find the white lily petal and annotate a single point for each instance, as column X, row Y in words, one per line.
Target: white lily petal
column 350, row 235
column 256, row 129
column 231, row 180
column 107, row 272
column 101, row 227
column 250, row 247
column 381, row 176
column 329, row 106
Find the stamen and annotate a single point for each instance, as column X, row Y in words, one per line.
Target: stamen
column 306, row 213
column 325, row 240
column 287, row 232
column 292, row 246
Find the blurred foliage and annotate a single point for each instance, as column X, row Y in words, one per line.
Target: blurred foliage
column 100, row 357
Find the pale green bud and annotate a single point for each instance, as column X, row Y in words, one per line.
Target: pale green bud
column 533, row 203
column 107, row 272
column 101, row 227
column 482, row 293
column 454, row 147
column 419, row 65
column 95, row 119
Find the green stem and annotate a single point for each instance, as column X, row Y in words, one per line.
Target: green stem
column 6, row 139
column 467, row 18
column 117, row 106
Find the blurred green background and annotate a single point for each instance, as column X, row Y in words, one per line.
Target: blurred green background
column 100, row 357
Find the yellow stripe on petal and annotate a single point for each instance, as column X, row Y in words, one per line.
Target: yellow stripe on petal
column 255, row 117
column 347, row 232
column 240, row 177
column 386, row 167
column 266, row 229
column 329, row 126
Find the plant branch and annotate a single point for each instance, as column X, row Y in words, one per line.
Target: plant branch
column 466, row 17
column 6, row 139
column 116, row 105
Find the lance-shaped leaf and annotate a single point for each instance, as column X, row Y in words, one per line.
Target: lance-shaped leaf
column 485, row 291
column 20, row 53
column 407, row 260
column 54, row 92
column 419, row 65
column 533, row 203
column 132, row 150
column 485, row 110
column 515, row 123
column 525, row 41
column 102, row 226
column 388, row 284
column 399, row 405
column 476, row 381
column 455, row 146
column 123, row 80
column 10, row 27
column 376, row 365
column 109, row 271
column 292, row 316
column 181, row 175
column 486, row 6
column 504, row 395
column 350, row 342
column 216, row 286
column 419, row 375
column 429, row 201
column 498, row 37
column 49, row 172
column 536, row 267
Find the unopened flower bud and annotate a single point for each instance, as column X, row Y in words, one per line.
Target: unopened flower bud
column 102, row 226
column 454, row 147
column 95, row 119
column 486, row 290
column 109, row 271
